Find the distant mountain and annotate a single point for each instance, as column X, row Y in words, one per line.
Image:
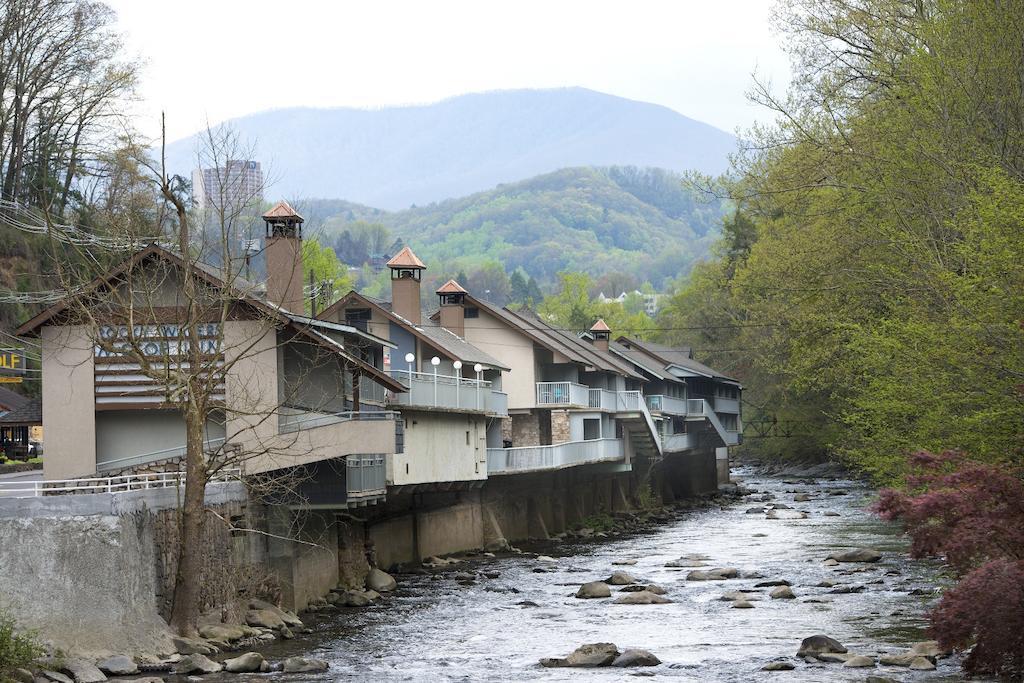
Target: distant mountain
column 644, row 222
column 398, row 156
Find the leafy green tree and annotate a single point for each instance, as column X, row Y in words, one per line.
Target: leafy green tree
column 327, row 272
column 570, row 306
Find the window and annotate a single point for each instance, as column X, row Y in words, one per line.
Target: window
column 471, row 312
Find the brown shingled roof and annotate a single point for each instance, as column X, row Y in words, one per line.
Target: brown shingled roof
column 600, row 326
column 406, row 259
column 283, row 210
column 451, row 287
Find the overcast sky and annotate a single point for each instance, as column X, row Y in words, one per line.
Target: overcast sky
column 211, row 60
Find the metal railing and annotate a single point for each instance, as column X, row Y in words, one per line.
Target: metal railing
column 209, row 447
column 662, row 403
column 556, row 456
column 698, row 407
column 633, row 401
column 119, row 484
column 602, row 399
column 365, row 475
column 446, row 391
column 562, row 394
column 727, row 405
column 293, row 422
column 678, row 442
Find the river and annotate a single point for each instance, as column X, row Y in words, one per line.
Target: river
column 434, row 628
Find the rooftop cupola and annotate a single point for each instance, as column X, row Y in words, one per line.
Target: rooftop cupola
column 602, row 334
column 452, row 298
column 284, row 257
column 406, row 273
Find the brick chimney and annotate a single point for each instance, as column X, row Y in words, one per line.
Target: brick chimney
column 284, row 257
column 406, row 273
column 452, row 299
column 602, row 333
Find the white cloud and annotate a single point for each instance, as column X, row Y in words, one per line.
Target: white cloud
column 210, row 60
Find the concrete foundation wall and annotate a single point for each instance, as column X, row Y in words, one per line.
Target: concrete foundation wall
column 450, row 530
column 394, row 540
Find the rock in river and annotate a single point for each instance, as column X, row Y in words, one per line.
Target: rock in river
column 589, row 655
column 858, row 555
column 642, row 598
column 382, row 582
column 859, row 662
column 782, row 593
column 119, row 665
column 712, row 574
column 594, row 589
column 301, row 665
column 778, row 666
column 250, row 662
column 620, row 578
column 636, row 658
column 785, row 514
column 196, row 664
column 819, row 643
column 83, row 671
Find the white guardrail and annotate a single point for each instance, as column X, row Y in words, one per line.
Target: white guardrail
column 556, row 456
column 119, row 484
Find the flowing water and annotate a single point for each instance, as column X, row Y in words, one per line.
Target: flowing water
column 437, row 629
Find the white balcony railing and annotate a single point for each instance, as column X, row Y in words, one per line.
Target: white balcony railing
column 727, row 405
column 365, row 475
column 678, row 442
column 660, row 403
column 602, row 399
column 698, row 407
column 119, row 484
column 562, row 394
column 428, row 390
column 296, row 420
column 556, row 456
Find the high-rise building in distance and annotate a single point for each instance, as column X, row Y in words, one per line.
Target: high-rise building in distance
column 238, row 182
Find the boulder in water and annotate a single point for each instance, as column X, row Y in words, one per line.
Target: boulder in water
column 859, row 662
column 636, row 657
column 594, row 589
column 778, row 666
column 589, row 655
column 620, row 578
column 250, row 662
column 857, row 555
column 819, row 643
column 782, row 593
column 379, row 581
column 642, row 598
column 301, row 665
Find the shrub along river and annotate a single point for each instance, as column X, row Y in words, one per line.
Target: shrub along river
column 494, row 619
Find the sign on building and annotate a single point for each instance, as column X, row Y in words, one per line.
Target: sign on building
column 12, row 365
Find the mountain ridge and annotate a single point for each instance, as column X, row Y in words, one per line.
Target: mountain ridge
column 395, row 157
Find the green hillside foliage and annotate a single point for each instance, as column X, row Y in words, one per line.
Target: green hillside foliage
column 870, row 289
column 645, row 222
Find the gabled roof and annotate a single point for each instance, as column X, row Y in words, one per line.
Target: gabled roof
column 651, row 366
column 671, row 357
column 29, row 414
column 283, row 210
column 451, row 287
column 445, row 341
column 406, row 259
column 565, row 343
column 11, row 400
column 600, row 326
column 238, row 289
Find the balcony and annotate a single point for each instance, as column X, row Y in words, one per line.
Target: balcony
column 307, row 437
column 365, row 476
column 557, row 456
column 727, row 405
column 671, row 405
column 562, row 395
column 445, row 392
column 672, row 443
column 697, row 408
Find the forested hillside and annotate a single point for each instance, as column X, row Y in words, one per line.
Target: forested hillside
column 644, row 222
column 870, row 290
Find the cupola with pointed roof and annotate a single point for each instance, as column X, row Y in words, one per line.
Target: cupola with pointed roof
column 452, row 298
column 284, row 257
column 406, row 272
column 602, row 334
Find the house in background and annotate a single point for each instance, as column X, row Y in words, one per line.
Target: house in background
column 21, row 424
column 453, row 405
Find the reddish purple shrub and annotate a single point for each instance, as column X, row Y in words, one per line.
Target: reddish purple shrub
column 972, row 515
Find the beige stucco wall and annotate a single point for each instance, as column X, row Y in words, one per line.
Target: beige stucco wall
column 69, row 402
column 304, row 446
column 250, row 386
column 495, row 338
column 436, row 449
